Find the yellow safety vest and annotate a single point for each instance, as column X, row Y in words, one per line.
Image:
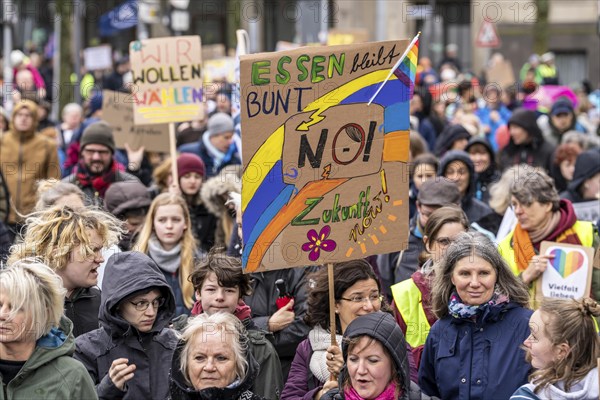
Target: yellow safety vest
column 583, row 229
column 546, row 71
column 407, row 297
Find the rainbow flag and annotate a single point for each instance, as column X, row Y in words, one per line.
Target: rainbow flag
column 405, row 70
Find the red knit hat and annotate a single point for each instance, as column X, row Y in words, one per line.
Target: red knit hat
column 188, row 162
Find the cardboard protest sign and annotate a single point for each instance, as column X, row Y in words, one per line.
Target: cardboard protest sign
column 99, row 57
column 501, row 74
column 569, row 274
column 220, row 69
column 117, row 110
column 325, row 175
column 167, row 79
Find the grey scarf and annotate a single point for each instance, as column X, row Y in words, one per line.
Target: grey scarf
column 168, row 261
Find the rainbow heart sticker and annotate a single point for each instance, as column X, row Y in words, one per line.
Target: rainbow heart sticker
column 565, row 263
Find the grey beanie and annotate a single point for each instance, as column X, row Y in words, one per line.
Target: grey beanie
column 98, row 133
column 219, row 123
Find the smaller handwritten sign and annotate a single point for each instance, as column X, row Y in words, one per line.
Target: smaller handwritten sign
column 118, row 113
column 99, row 57
column 568, row 274
column 167, row 79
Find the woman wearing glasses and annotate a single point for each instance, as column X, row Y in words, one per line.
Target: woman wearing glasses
column 129, row 356
column 543, row 216
column 357, row 292
column 411, row 303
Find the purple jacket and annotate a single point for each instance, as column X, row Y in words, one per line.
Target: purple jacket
column 301, row 383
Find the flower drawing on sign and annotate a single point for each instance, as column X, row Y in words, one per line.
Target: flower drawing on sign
column 317, row 242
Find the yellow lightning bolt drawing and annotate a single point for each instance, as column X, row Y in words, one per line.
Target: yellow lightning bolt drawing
column 315, row 118
column 326, row 171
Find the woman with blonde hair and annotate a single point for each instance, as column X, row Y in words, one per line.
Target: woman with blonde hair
column 167, row 238
column 70, row 242
column 212, row 360
column 36, row 340
column 563, row 347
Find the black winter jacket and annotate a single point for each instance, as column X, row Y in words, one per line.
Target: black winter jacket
column 127, row 273
column 262, row 304
column 82, row 309
column 537, row 153
column 180, row 390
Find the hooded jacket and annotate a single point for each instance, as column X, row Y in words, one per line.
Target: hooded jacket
column 449, row 135
column 382, row 327
column 476, row 210
column 484, row 180
column 127, row 273
column 180, row 390
column 537, row 153
column 25, row 158
column 51, row 372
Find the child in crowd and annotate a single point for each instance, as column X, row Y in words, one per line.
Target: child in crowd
column 563, row 347
column 167, row 239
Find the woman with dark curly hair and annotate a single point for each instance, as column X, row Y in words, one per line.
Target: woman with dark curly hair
column 357, row 292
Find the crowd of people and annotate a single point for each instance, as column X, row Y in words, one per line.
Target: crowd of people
column 119, row 282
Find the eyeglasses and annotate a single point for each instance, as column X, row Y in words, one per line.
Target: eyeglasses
column 144, row 304
column 515, row 204
column 444, row 241
column 91, row 152
column 373, row 298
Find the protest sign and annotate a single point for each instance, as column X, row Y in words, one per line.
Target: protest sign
column 325, row 175
column 99, row 57
column 167, row 79
column 117, row 110
column 219, row 69
column 568, row 274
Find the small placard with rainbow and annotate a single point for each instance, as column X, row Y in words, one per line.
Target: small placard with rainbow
column 569, row 273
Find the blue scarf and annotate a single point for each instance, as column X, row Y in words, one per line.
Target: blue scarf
column 460, row 310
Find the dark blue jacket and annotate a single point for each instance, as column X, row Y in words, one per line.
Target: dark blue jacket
column 470, row 360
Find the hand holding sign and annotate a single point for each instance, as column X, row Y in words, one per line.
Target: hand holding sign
column 568, row 273
column 536, row 267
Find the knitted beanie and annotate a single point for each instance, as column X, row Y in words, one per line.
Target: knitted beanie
column 98, row 133
column 188, row 162
column 219, row 123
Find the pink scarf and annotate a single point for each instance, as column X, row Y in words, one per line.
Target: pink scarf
column 388, row 394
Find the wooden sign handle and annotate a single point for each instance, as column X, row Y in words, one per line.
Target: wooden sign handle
column 331, row 309
column 331, row 303
column 173, row 150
